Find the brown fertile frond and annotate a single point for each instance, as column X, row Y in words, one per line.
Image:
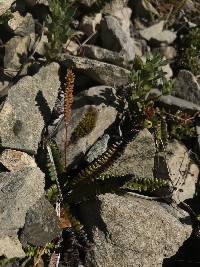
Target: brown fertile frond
column 68, row 99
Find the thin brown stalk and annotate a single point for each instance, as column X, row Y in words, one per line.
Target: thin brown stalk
column 68, row 100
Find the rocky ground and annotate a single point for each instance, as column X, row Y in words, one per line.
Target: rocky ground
column 114, row 179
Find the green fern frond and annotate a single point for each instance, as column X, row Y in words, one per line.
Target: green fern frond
column 146, row 184
column 59, row 165
column 103, row 184
column 51, row 165
column 85, row 126
column 161, row 132
column 52, row 193
column 97, row 166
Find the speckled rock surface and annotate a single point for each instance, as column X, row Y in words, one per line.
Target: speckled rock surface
column 137, row 158
column 129, row 231
column 5, row 5
column 187, row 87
column 27, row 109
column 15, row 160
column 181, row 169
column 21, row 190
column 41, row 225
column 100, row 72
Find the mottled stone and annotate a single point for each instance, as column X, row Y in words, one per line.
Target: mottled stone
column 129, row 231
column 181, row 170
column 15, row 160
column 41, row 225
column 21, row 190
column 105, row 55
column 5, row 5
column 175, row 102
column 100, row 72
column 10, row 247
column 98, row 148
column 28, row 108
column 186, row 87
column 137, row 158
column 115, row 38
column 89, row 24
column 156, row 33
column 16, row 51
column 22, row 25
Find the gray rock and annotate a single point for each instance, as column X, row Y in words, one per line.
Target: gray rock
column 168, row 71
column 187, row 87
column 123, row 15
column 16, row 51
column 156, row 33
column 105, row 55
column 5, row 5
column 27, row 109
column 137, row 158
column 3, row 85
column 11, row 247
column 102, row 99
column 111, row 7
column 114, row 37
column 89, row 24
column 173, row 102
column 180, row 169
column 98, row 148
column 100, row 72
column 129, row 231
column 41, row 46
column 15, row 160
column 21, row 190
column 73, row 48
column 22, row 25
column 41, row 224
column 169, row 52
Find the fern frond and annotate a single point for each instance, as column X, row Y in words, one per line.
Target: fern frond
column 86, row 125
column 103, row 184
column 68, row 96
column 56, row 157
column 52, row 193
column 161, row 133
column 51, row 165
column 146, row 184
column 68, row 100
column 97, row 166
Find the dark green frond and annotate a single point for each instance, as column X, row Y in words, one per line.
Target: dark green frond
column 103, row 184
column 146, row 184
